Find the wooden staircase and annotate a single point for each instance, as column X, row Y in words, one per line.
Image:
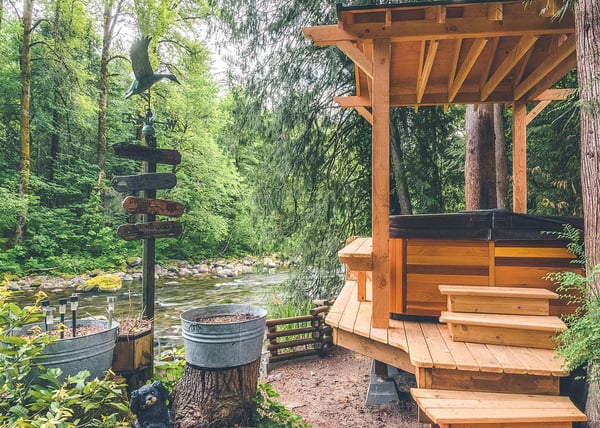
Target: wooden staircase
column 518, row 319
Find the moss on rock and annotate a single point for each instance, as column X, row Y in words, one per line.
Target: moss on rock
column 102, row 283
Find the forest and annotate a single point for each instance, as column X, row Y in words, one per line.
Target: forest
column 269, row 163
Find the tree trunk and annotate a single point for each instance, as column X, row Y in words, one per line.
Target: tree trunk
column 25, row 135
column 501, row 163
column 480, row 170
column 215, row 398
column 398, row 171
column 587, row 25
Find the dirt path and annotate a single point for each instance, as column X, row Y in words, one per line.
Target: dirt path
column 331, row 393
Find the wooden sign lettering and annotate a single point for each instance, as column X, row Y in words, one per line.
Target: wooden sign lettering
column 157, row 229
column 133, row 183
column 148, row 154
column 135, row 205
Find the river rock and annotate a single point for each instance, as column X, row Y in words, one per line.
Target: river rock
column 133, row 261
column 269, row 263
column 109, row 282
column 184, row 271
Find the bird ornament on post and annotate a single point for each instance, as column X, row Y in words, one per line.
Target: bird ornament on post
column 145, row 77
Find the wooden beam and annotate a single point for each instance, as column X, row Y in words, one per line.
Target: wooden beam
column 466, row 67
column 388, row 18
column 357, row 56
column 539, row 107
column 519, row 157
column 522, row 67
column 547, row 66
column 352, row 102
column 381, row 182
column 555, row 94
column 454, row 64
column 551, row 78
column 365, row 114
column 495, row 11
column 515, row 55
column 488, row 67
column 426, row 70
column 463, row 28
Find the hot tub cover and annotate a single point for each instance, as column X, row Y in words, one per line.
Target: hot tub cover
column 491, row 225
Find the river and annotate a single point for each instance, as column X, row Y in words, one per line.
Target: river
column 173, row 297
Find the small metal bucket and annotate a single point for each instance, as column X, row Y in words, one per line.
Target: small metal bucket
column 227, row 344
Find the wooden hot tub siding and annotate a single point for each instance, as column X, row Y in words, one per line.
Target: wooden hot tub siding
column 418, row 266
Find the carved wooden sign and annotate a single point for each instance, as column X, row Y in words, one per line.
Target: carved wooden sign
column 148, row 154
column 135, row 205
column 133, row 183
column 157, row 229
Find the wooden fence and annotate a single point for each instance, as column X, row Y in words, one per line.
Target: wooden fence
column 302, row 336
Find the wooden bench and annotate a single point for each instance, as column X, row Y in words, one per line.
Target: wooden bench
column 358, row 257
column 462, row 409
column 498, row 300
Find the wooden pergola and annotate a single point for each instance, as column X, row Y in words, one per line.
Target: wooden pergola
column 440, row 53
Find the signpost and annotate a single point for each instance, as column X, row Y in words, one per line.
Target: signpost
column 136, row 205
column 155, row 229
column 150, row 181
column 147, row 154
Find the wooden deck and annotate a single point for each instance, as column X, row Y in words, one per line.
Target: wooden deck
column 427, row 350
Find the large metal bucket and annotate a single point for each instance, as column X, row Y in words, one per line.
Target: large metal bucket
column 92, row 352
column 221, row 345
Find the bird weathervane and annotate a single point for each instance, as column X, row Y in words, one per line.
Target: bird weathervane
column 145, row 77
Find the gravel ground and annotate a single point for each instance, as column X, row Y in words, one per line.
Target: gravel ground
column 331, row 392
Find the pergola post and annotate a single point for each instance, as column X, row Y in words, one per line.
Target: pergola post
column 519, row 157
column 381, row 182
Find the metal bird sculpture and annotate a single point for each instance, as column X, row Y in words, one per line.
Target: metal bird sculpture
column 145, row 77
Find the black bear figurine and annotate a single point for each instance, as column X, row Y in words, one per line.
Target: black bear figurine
column 149, row 403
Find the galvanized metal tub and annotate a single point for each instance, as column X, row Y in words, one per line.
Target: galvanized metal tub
column 92, row 352
column 222, row 345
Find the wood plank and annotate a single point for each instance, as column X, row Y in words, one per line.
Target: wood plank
column 440, row 354
column 136, row 205
column 487, row 362
column 491, row 382
column 397, row 335
column 459, row 351
column 533, row 365
column 548, row 358
column 417, row 346
column 466, row 290
column 498, row 305
column 362, row 324
column 358, row 254
column 337, row 309
column 134, row 183
column 153, row 229
column 357, row 56
column 534, row 252
column 501, row 336
column 508, row 361
column 148, row 154
column 375, row 350
column 348, row 318
column 426, row 70
column 380, row 202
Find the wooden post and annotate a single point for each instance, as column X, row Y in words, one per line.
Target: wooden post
column 381, row 184
column 519, row 157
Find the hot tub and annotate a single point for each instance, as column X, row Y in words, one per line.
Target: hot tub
column 485, row 248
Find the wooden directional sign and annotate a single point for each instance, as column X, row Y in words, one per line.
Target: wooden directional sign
column 157, row 229
column 133, row 183
column 135, row 205
column 148, row 154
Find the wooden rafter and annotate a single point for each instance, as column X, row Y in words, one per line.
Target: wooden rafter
column 508, row 64
column 485, row 74
column 366, row 114
column 426, row 70
column 552, row 62
column 539, row 107
column 454, row 64
column 520, row 70
column 466, row 67
column 555, row 94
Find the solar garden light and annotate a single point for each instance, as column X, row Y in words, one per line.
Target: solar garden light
column 45, row 305
column 74, row 303
column 62, row 308
column 111, row 308
column 49, row 318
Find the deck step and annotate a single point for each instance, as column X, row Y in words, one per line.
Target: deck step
column 513, row 330
column 498, row 300
column 455, row 409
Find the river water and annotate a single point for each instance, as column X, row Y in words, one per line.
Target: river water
column 173, row 297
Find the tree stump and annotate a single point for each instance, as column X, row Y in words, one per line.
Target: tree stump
column 215, row 397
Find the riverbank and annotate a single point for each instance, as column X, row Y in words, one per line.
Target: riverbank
column 173, row 270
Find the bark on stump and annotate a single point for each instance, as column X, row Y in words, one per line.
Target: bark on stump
column 215, row 397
